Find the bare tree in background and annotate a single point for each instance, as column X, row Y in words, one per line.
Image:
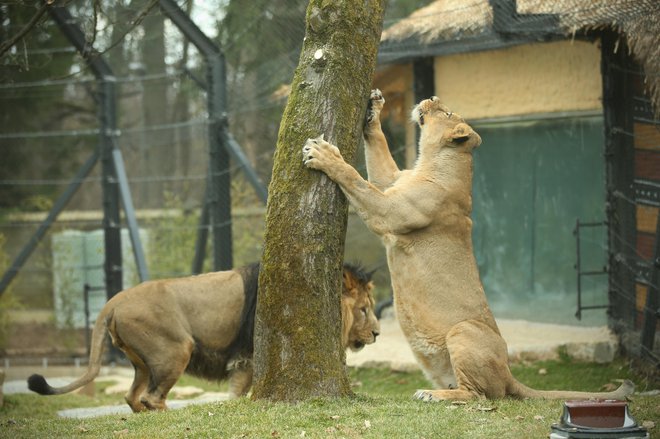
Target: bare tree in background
column 298, row 353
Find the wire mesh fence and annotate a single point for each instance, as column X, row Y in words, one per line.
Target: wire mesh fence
column 49, row 127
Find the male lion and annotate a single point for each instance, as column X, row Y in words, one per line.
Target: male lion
column 423, row 218
column 202, row 325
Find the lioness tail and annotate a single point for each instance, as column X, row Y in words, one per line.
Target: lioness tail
column 37, row 383
column 519, row 390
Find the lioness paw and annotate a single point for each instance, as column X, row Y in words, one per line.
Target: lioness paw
column 424, row 395
column 375, row 105
column 319, row 154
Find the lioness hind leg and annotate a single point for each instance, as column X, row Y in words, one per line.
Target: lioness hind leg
column 164, row 373
column 140, row 381
column 479, row 360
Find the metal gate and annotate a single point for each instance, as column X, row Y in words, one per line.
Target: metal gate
column 632, row 136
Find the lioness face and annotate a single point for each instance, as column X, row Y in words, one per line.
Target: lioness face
column 441, row 126
column 361, row 326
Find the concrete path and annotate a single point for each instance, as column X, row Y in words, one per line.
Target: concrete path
column 525, row 340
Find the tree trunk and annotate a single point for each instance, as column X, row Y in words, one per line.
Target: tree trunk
column 159, row 154
column 298, row 352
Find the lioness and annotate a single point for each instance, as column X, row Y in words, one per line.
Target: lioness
column 423, row 218
column 202, row 325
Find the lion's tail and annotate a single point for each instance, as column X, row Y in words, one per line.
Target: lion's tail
column 519, row 390
column 37, row 383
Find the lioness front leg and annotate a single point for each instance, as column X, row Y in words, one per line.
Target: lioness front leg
column 381, row 168
column 389, row 212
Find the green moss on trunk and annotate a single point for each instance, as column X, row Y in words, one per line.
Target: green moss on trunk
column 298, row 353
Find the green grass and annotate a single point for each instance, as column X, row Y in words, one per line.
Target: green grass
column 381, row 408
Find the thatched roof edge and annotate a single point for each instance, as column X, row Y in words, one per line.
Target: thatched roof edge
column 453, row 23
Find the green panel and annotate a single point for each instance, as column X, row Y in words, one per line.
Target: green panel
column 531, row 182
column 78, row 259
column 68, row 278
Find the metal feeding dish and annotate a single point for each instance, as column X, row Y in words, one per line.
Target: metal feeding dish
column 597, row 419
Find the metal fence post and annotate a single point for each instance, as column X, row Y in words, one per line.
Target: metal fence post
column 113, row 174
column 111, row 217
column 652, row 306
column 221, row 145
column 220, row 208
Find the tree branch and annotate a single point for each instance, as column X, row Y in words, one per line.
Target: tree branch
column 4, row 47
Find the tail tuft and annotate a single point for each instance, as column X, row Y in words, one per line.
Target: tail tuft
column 37, row 383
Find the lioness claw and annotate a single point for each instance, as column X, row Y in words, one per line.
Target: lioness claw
column 375, row 105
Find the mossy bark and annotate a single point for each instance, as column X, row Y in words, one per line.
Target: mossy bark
column 298, row 353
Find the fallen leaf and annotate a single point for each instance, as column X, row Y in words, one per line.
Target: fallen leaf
column 519, row 418
column 274, row 433
column 210, row 414
column 367, row 424
column 543, row 371
column 334, row 417
column 486, row 409
column 648, row 425
column 458, row 403
column 330, row 430
column 302, row 433
column 538, row 418
column 82, row 429
column 608, row 387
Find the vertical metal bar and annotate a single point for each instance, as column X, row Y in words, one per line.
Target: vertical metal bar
column 237, row 154
column 107, row 117
column 652, row 308
column 423, row 85
column 619, row 172
column 86, row 299
column 532, row 238
column 220, row 208
column 111, row 217
column 131, row 220
column 578, row 268
column 58, row 207
column 202, row 234
column 220, row 196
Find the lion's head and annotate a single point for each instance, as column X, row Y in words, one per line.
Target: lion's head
column 359, row 323
column 442, row 127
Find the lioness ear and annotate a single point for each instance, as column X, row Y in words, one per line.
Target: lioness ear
column 461, row 133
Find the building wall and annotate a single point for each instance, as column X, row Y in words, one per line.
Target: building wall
column 526, row 195
column 533, row 78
